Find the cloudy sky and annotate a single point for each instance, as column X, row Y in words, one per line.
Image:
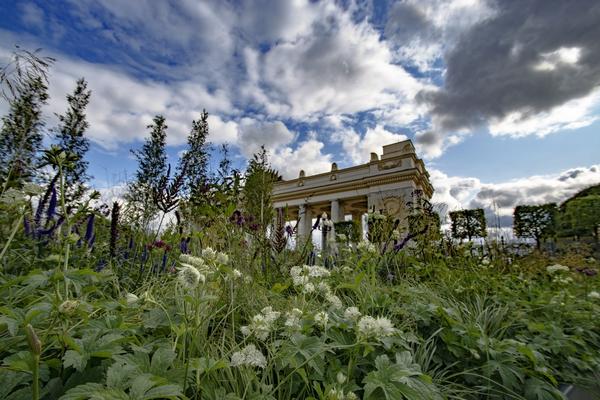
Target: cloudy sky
column 502, row 98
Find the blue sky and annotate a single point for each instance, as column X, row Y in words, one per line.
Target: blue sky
column 499, row 97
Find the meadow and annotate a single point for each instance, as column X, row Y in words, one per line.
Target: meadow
column 97, row 308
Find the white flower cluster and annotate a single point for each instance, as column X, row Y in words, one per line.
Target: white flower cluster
column 561, row 280
column 366, row 246
column 556, row 268
column 214, row 257
column 338, row 394
column 293, row 319
column 189, row 276
column 377, row 328
column 261, row 324
column 250, row 356
column 321, row 318
column 375, row 216
column 594, row 295
column 306, row 278
column 352, row 313
column 395, row 234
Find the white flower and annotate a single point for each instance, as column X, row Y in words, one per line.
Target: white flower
column 308, row 288
column 222, row 258
column 262, row 324
column 594, row 295
column 236, row 273
column 321, row 318
column 341, row 378
column 209, row 254
column 314, row 271
column 189, row 277
column 485, row 261
column 352, row 313
column 351, row 396
column 324, row 288
column 395, row 234
column 377, row 328
column 197, row 262
column 334, row 301
column 366, row 246
column 131, row 298
column 245, row 331
column 250, row 356
column 556, row 267
column 341, row 237
column 293, row 318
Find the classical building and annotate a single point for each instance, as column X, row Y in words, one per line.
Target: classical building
column 385, row 184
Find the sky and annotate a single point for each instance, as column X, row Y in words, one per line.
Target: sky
column 501, row 98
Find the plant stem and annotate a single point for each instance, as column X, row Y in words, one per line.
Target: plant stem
column 11, row 237
column 35, row 389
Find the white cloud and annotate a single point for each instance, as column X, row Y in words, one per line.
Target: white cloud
column 573, row 114
column 501, row 198
column 32, row 15
column 336, row 67
column 308, row 156
column 252, row 134
column 359, row 147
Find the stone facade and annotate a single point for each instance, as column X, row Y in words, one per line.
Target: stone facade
column 384, row 183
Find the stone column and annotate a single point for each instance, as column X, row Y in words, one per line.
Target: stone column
column 305, row 222
column 359, row 217
column 337, row 214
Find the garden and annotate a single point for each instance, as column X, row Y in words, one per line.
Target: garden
column 184, row 288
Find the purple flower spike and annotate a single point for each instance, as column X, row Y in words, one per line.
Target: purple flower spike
column 52, row 205
column 89, row 229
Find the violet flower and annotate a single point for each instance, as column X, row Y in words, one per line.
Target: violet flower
column 52, row 205
column 89, row 229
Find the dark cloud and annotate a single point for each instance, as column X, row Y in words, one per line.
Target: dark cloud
column 491, row 71
column 406, row 22
column 573, row 173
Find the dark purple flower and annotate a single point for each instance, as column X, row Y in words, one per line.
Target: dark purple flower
column 253, row 227
column 26, row 226
column 100, row 266
column 587, row 271
column 289, row 230
column 145, row 254
column 89, row 229
column 184, row 245
column 52, row 205
column 164, row 261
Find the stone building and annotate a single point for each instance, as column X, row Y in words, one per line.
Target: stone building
column 385, row 183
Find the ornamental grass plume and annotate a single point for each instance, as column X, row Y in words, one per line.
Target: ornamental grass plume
column 248, row 356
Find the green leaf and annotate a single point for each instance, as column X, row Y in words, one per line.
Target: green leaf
column 94, row 391
column 162, row 359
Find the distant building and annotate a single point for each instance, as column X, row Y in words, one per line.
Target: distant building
column 385, row 184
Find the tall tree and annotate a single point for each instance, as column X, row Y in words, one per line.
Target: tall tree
column 195, row 159
column 258, row 186
column 21, row 136
column 536, row 222
column 70, row 137
column 467, row 224
column 152, row 166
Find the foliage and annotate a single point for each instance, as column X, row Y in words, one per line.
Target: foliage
column 70, row 135
column 21, row 136
column 536, row 222
column 24, row 67
column 580, row 217
column 195, row 160
column 467, row 224
column 152, row 166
